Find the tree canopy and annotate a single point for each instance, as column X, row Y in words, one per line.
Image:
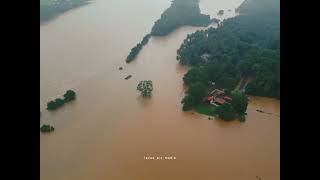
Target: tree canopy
column 246, row 46
column 70, row 95
column 145, row 87
column 135, row 51
column 50, row 9
column 235, row 109
column 180, row 13
column 46, row 128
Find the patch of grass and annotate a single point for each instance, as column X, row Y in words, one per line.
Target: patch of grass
column 206, row 109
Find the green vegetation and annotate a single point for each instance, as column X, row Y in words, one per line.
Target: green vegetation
column 55, row 104
column 135, row 51
column 69, row 96
column 145, row 87
column 215, row 20
column 236, row 109
column 194, row 96
column 46, row 128
column 49, row 9
column 180, row 13
column 206, row 109
column 226, row 112
column 259, row 6
column 246, row 46
column 52, row 105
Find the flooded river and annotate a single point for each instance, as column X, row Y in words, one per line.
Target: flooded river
column 109, row 129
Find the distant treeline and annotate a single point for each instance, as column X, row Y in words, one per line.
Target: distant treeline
column 180, row 13
column 259, row 6
column 245, row 46
column 135, row 51
column 50, row 9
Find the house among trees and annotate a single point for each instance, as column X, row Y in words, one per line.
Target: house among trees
column 217, row 97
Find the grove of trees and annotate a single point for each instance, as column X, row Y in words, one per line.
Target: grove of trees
column 180, row 13
column 235, row 109
column 50, row 9
column 135, row 51
column 46, row 128
column 246, row 46
column 145, row 88
column 70, row 95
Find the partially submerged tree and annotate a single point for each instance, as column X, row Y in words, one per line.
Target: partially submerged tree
column 145, row 87
column 55, row 104
column 240, row 103
column 236, row 109
column 69, row 96
column 52, row 105
column 46, row 128
column 226, row 112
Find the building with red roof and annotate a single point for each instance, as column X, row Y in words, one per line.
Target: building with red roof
column 220, row 101
column 227, row 98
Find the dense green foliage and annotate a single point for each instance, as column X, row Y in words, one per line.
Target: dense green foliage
column 206, row 109
column 46, row 128
column 52, row 8
column 239, row 103
column 236, row 109
column 259, row 6
column 180, row 13
column 145, row 87
column 194, row 95
column 247, row 46
column 135, row 51
column 52, row 105
column 55, row 104
column 226, row 112
column 69, row 96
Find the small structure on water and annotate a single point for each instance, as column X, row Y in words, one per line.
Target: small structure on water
column 128, row 77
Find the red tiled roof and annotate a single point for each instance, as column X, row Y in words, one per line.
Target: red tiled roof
column 227, row 98
column 220, row 100
column 209, row 98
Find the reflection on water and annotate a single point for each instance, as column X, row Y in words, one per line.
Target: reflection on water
column 108, row 130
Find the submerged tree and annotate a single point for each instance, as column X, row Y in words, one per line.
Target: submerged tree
column 55, row 104
column 52, row 105
column 69, row 95
column 240, row 103
column 46, row 128
column 145, row 87
column 236, row 109
column 226, row 112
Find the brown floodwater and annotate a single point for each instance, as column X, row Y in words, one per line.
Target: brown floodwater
column 109, row 129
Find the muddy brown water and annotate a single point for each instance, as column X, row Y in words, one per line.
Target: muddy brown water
column 109, row 129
